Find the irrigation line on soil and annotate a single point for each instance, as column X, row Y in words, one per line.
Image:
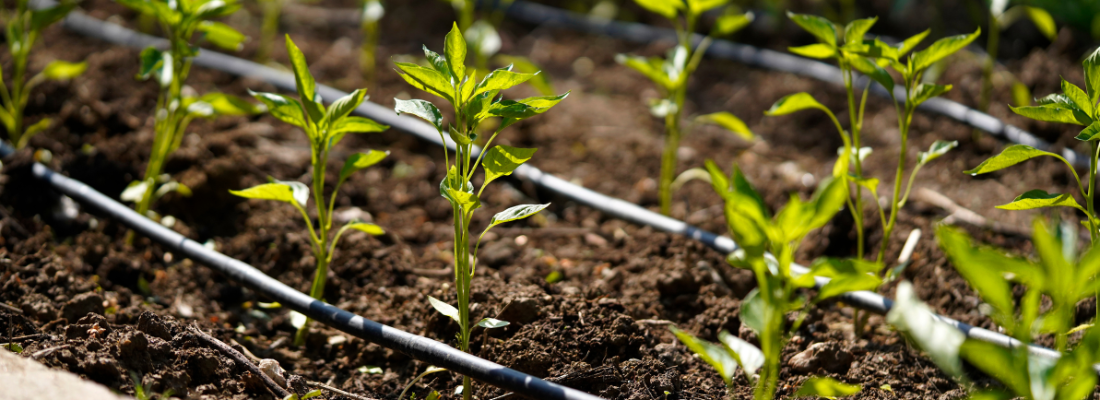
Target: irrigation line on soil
column 610, row 206
column 773, row 60
column 419, row 347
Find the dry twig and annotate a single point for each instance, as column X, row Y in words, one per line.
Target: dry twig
column 961, row 214
column 239, row 359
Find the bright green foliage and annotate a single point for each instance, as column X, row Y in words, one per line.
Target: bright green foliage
column 474, row 102
column 324, row 128
column 180, row 22
column 1000, row 19
column 1058, row 274
column 764, row 310
column 672, row 73
column 1024, row 375
column 1073, row 106
column 24, row 26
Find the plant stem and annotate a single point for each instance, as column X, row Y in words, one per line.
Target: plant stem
column 854, row 126
column 368, row 52
column 993, row 35
column 269, row 28
column 1089, row 198
column 904, row 120
column 669, row 160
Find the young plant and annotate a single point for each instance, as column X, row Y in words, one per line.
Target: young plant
column 869, row 57
column 1000, row 19
column 1058, row 275
column 672, row 74
column 180, row 22
column 768, row 245
column 473, row 102
column 24, row 27
column 1024, row 374
column 372, row 13
column 324, row 128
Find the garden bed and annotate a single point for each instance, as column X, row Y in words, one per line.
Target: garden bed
column 620, row 285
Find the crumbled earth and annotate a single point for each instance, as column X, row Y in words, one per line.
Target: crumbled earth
column 116, row 314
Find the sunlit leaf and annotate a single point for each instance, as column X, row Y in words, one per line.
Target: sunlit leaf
column 728, row 121
column 1039, row 199
column 517, row 213
column 445, row 309
column 1010, row 156
column 821, row 386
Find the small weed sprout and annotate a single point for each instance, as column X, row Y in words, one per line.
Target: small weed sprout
column 765, row 309
column 324, row 128
column 473, row 102
column 672, row 74
column 176, row 108
column 24, row 27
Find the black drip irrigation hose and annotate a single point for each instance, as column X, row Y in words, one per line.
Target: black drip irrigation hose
column 339, row 319
column 539, row 14
column 419, row 347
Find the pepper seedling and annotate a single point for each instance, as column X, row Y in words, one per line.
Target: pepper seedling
column 180, row 21
column 768, row 245
column 672, row 73
column 324, row 128
column 473, row 102
column 24, row 28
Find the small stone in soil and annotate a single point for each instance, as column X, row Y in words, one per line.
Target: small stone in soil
column 829, row 356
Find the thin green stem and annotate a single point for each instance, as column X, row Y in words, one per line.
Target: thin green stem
column 269, row 28
column 905, row 121
column 855, row 126
column 669, row 161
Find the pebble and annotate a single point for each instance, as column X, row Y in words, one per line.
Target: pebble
column 829, row 356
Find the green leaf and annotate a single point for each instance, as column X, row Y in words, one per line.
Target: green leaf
column 62, row 70
column 854, row 32
column 439, row 63
column 872, row 70
column 823, row 29
column 501, row 79
column 747, row 356
column 1090, row 133
column 345, row 105
column 156, row 62
column 522, row 64
column 938, row 148
column 982, row 268
column 490, row 323
column 1010, row 156
column 427, row 79
column 1039, row 199
column 701, row 6
column 420, row 108
column 222, row 35
column 666, row 8
column 911, row 43
column 12, row 347
column 939, row 50
column 1092, row 76
column 914, row 319
column 926, row 91
column 225, row 104
column 731, row 22
column 794, row 103
column 36, row 128
column 284, row 108
column 752, row 311
column 848, row 283
column 215, row 9
column 461, row 197
column 289, row 192
column 516, row 213
column 816, row 50
column 829, row 200
column 822, row 386
column 998, row 362
column 371, row 229
column 42, row 18
column 353, row 124
column 454, row 51
column 1042, row 20
column 728, row 121
column 1078, row 96
column 358, row 161
column 712, row 354
column 307, row 87
column 445, row 309
column 645, row 67
column 502, row 160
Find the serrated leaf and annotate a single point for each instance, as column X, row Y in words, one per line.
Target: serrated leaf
column 284, row 108
column 62, row 70
column 823, row 386
column 516, row 213
column 1010, row 156
column 712, row 354
column 368, row 228
column 490, row 323
column 794, row 103
column 1039, row 199
column 222, row 35
column 420, row 108
column 939, row 50
column 285, row 191
column 938, row 148
column 454, row 51
column 359, row 161
column 747, row 356
column 816, row 50
column 823, row 29
column 502, row 160
column 729, row 122
column 444, row 308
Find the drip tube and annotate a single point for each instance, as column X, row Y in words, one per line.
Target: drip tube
column 610, row 206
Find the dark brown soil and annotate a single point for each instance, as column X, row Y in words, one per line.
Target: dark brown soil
column 107, row 310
